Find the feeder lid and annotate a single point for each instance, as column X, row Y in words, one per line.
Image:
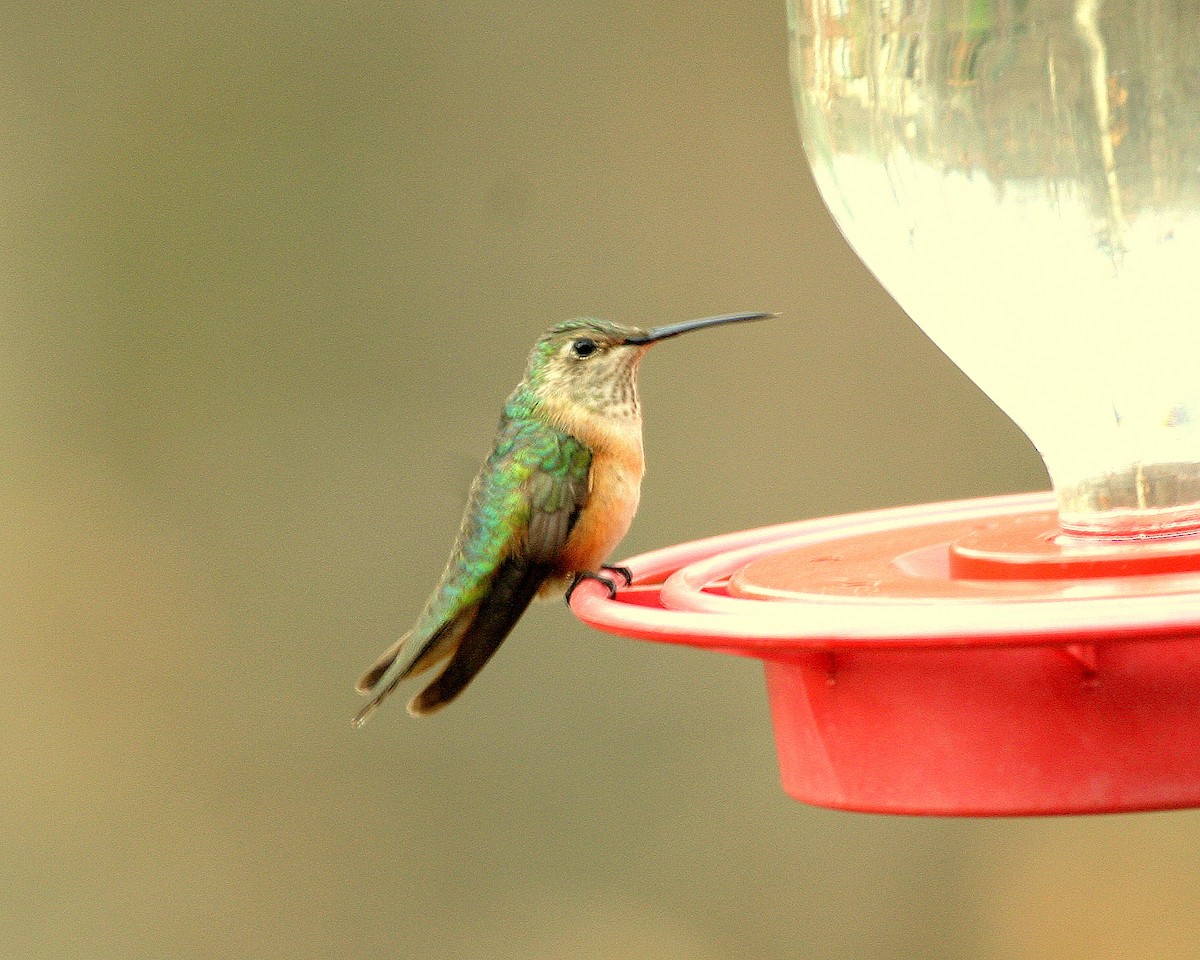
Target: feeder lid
column 986, row 572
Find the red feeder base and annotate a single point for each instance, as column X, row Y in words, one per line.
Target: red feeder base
column 957, row 659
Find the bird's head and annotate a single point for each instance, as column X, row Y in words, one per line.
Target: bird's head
column 591, row 365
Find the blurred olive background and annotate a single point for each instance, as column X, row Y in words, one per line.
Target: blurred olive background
column 267, row 272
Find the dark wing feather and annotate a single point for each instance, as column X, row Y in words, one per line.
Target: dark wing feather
column 556, row 493
column 555, row 500
column 514, row 587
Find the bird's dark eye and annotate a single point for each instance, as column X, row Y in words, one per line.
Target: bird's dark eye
column 583, row 347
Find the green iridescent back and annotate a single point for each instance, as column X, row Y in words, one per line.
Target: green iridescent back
column 533, row 468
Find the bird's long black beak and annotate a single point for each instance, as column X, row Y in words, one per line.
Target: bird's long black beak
column 675, row 329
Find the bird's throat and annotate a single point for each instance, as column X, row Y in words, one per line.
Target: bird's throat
column 615, row 431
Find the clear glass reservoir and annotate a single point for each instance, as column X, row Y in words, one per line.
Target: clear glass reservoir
column 1024, row 178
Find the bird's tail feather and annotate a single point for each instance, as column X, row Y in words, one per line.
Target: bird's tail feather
column 391, row 669
column 370, row 680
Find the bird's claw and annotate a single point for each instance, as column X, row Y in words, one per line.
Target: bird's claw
column 600, row 578
column 622, row 571
column 580, row 577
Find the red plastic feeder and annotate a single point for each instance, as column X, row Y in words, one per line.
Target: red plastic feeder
column 959, row 659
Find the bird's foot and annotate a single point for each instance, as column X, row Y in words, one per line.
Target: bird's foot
column 588, row 575
column 624, row 572
column 599, row 578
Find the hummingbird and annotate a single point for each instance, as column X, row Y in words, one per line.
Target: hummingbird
column 555, row 496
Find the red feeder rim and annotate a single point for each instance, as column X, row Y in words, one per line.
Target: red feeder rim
column 959, row 658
